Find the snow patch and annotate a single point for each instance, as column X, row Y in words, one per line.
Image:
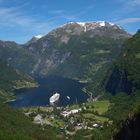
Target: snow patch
column 102, row 23
column 91, row 25
column 39, row 36
column 83, row 24
column 112, row 24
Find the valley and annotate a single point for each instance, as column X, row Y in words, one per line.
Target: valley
column 39, row 96
column 94, row 66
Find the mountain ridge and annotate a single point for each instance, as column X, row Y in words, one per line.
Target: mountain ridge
column 81, row 54
column 62, row 35
column 69, row 51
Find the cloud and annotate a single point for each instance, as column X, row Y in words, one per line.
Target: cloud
column 129, row 6
column 133, row 2
column 11, row 16
column 19, row 17
column 127, row 21
column 63, row 15
column 15, row 17
column 71, row 15
column 57, row 11
column 22, row 21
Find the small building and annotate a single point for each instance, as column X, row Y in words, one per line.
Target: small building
column 95, row 125
column 38, row 119
column 68, row 113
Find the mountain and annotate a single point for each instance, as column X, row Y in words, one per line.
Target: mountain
column 123, row 81
column 72, row 49
column 33, row 40
column 83, row 51
column 14, row 124
column 125, row 76
column 11, row 79
column 16, row 56
column 76, row 50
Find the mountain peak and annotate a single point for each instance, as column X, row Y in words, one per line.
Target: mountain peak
column 83, row 27
column 93, row 24
column 34, row 39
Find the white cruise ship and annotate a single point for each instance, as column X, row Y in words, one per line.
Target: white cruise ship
column 54, row 98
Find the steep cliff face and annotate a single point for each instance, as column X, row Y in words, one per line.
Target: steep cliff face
column 130, row 129
column 119, row 82
column 125, row 76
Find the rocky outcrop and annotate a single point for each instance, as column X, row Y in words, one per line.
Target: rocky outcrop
column 130, row 129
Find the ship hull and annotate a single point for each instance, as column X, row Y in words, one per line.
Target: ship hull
column 54, row 99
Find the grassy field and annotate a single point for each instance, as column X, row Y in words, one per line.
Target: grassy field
column 37, row 109
column 138, row 55
column 98, row 106
column 101, row 119
column 94, row 111
column 56, row 122
column 96, row 118
column 75, row 106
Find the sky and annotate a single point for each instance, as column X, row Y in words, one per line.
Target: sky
column 20, row 20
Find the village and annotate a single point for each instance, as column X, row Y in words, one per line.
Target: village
column 72, row 118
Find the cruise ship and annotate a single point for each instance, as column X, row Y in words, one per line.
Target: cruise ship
column 54, row 98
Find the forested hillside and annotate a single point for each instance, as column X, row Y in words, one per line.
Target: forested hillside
column 125, row 76
column 14, row 125
column 11, row 79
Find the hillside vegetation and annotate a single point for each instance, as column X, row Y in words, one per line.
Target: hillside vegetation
column 125, row 76
column 11, row 79
column 13, row 123
column 16, row 56
column 15, row 126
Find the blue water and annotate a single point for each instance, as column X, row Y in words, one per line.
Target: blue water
column 48, row 86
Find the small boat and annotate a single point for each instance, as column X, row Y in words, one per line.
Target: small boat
column 68, row 97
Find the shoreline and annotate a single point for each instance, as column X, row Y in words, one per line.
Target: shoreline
column 13, row 98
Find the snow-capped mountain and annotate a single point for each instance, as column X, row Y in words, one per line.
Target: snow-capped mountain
column 74, row 41
column 96, row 24
column 92, row 28
column 92, row 25
column 79, row 50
